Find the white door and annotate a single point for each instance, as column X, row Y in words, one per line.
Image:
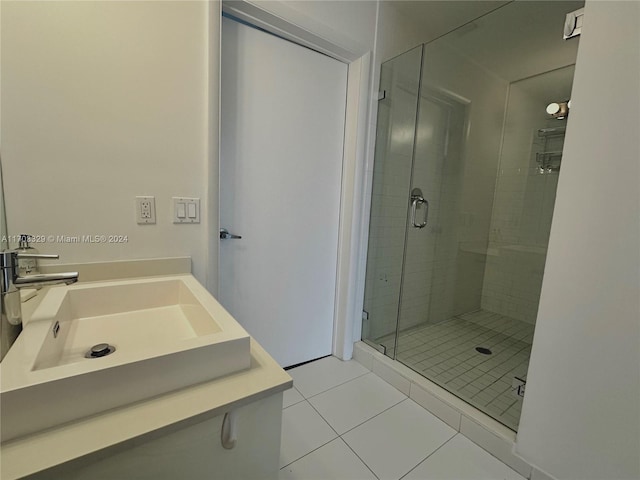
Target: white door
column 283, row 114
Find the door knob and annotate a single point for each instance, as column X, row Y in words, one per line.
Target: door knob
column 224, row 234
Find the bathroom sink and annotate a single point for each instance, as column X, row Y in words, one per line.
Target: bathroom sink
column 149, row 337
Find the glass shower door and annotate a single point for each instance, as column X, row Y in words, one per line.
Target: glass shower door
column 469, row 299
column 486, row 162
column 468, row 151
column 428, row 293
column 4, row 241
column 395, row 137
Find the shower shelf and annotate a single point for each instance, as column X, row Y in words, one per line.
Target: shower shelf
column 546, row 157
column 551, row 132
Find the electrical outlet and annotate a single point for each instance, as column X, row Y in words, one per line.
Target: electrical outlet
column 146, row 210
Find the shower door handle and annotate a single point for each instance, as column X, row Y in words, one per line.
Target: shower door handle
column 416, row 200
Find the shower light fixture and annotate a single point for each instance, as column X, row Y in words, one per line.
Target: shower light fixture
column 559, row 110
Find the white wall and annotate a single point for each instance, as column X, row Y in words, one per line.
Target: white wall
column 103, row 101
column 581, row 414
column 352, row 19
column 345, row 28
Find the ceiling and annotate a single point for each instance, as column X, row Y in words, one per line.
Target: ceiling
column 441, row 16
column 517, row 40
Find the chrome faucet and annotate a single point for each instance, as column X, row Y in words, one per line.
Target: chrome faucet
column 10, row 283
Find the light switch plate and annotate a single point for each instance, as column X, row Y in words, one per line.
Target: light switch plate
column 145, row 210
column 186, row 210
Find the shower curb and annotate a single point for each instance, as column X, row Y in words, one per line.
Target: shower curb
column 478, row 427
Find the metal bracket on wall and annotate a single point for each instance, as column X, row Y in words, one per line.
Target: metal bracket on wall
column 517, row 387
column 573, row 23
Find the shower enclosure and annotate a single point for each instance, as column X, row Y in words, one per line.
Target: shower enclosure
column 4, row 240
column 468, row 151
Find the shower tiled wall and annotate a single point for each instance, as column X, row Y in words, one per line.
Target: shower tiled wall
column 456, row 157
column 445, row 262
column 524, row 198
column 428, row 290
column 485, row 244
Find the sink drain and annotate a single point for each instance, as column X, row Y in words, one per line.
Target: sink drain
column 100, row 350
column 483, row 350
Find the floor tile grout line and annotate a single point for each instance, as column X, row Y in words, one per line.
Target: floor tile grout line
column 502, row 376
column 378, row 414
column 340, row 435
column 495, row 323
column 406, row 397
column 324, row 419
column 362, row 423
column 512, row 404
column 296, row 403
column 502, row 341
column 309, row 453
column 490, row 390
column 471, row 340
column 427, row 457
column 335, row 386
column 356, row 454
column 484, row 449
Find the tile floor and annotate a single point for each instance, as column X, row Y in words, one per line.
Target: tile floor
column 342, row 422
column 445, row 353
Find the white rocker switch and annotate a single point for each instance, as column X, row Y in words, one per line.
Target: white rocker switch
column 186, row 210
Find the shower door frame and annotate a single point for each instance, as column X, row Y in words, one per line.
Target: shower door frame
column 451, row 102
column 366, row 227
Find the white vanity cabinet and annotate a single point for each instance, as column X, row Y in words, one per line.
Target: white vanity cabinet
column 191, row 450
column 166, row 431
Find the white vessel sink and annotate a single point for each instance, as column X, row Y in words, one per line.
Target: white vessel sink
column 168, row 333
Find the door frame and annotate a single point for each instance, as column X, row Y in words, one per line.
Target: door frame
column 288, row 23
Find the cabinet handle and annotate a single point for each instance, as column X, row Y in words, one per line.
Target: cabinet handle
column 229, row 433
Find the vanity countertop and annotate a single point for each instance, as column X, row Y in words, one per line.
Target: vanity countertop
column 36, row 452
column 33, row 453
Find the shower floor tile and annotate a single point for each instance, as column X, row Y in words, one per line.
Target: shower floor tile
column 446, row 353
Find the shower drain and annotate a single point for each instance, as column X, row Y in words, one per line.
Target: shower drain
column 483, row 350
